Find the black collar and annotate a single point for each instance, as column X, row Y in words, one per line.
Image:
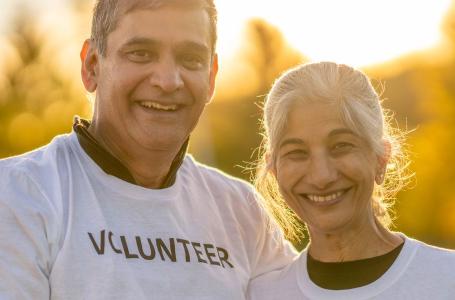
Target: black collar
column 110, row 164
column 350, row 274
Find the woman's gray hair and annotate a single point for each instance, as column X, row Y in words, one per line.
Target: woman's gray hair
column 360, row 109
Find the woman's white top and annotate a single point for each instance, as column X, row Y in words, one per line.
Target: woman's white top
column 420, row 271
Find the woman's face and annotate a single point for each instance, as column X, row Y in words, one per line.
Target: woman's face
column 324, row 170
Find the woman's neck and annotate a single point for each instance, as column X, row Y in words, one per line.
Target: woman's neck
column 370, row 240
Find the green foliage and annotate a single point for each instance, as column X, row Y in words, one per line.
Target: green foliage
column 36, row 100
column 234, row 122
column 428, row 210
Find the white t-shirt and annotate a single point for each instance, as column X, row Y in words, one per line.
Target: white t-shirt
column 419, row 272
column 70, row 231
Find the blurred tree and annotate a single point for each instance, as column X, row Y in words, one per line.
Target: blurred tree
column 423, row 98
column 449, row 24
column 268, row 52
column 234, row 122
column 36, row 102
column 428, row 210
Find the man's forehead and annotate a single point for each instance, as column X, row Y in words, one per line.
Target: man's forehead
column 195, row 35
column 127, row 6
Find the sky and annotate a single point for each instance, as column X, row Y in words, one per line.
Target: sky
column 357, row 32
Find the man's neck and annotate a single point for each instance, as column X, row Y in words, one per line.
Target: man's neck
column 149, row 168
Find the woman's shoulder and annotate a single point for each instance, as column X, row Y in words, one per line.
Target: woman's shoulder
column 427, row 247
column 435, row 251
column 432, row 256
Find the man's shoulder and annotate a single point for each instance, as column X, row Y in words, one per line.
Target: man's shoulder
column 220, row 185
column 277, row 284
column 36, row 157
column 216, row 176
column 30, row 181
column 36, row 165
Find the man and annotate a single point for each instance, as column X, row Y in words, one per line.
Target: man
column 116, row 209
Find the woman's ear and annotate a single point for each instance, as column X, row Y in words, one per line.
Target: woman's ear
column 270, row 164
column 382, row 162
column 89, row 65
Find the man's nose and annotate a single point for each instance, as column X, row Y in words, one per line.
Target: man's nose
column 166, row 75
column 322, row 171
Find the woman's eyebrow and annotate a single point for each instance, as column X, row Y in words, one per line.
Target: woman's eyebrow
column 342, row 131
column 291, row 141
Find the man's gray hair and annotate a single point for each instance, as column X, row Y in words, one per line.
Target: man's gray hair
column 107, row 13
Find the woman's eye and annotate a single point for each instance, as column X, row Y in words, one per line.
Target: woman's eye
column 343, row 147
column 296, row 154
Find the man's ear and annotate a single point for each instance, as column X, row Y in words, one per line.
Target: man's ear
column 212, row 76
column 89, row 65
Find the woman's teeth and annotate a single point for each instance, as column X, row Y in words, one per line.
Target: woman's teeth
column 319, row 198
column 150, row 104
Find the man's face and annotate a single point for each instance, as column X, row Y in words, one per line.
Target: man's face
column 155, row 79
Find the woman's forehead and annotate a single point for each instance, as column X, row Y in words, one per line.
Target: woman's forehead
column 318, row 118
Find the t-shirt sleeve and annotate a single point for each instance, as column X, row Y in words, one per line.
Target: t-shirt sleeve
column 273, row 251
column 258, row 291
column 27, row 224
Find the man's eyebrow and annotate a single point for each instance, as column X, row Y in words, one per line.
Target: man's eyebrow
column 141, row 41
column 291, row 141
column 186, row 45
column 342, row 131
column 194, row 46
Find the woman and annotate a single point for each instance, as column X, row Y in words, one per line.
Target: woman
column 331, row 160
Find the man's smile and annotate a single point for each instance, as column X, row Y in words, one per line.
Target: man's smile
column 158, row 106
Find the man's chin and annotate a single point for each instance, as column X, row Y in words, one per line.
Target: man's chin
column 160, row 140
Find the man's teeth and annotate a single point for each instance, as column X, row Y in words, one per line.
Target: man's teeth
column 150, row 104
column 319, row 198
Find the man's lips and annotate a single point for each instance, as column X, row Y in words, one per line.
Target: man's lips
column 157, row 105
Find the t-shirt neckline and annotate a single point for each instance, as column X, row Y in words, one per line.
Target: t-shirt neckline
column 399, row 266
column 120, row 186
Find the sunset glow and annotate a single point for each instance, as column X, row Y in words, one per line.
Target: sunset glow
column 357, row 32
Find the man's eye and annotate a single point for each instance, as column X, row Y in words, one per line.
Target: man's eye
column 140, row 56
column 192, row 62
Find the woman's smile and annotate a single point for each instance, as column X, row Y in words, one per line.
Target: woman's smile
column 325, row 198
